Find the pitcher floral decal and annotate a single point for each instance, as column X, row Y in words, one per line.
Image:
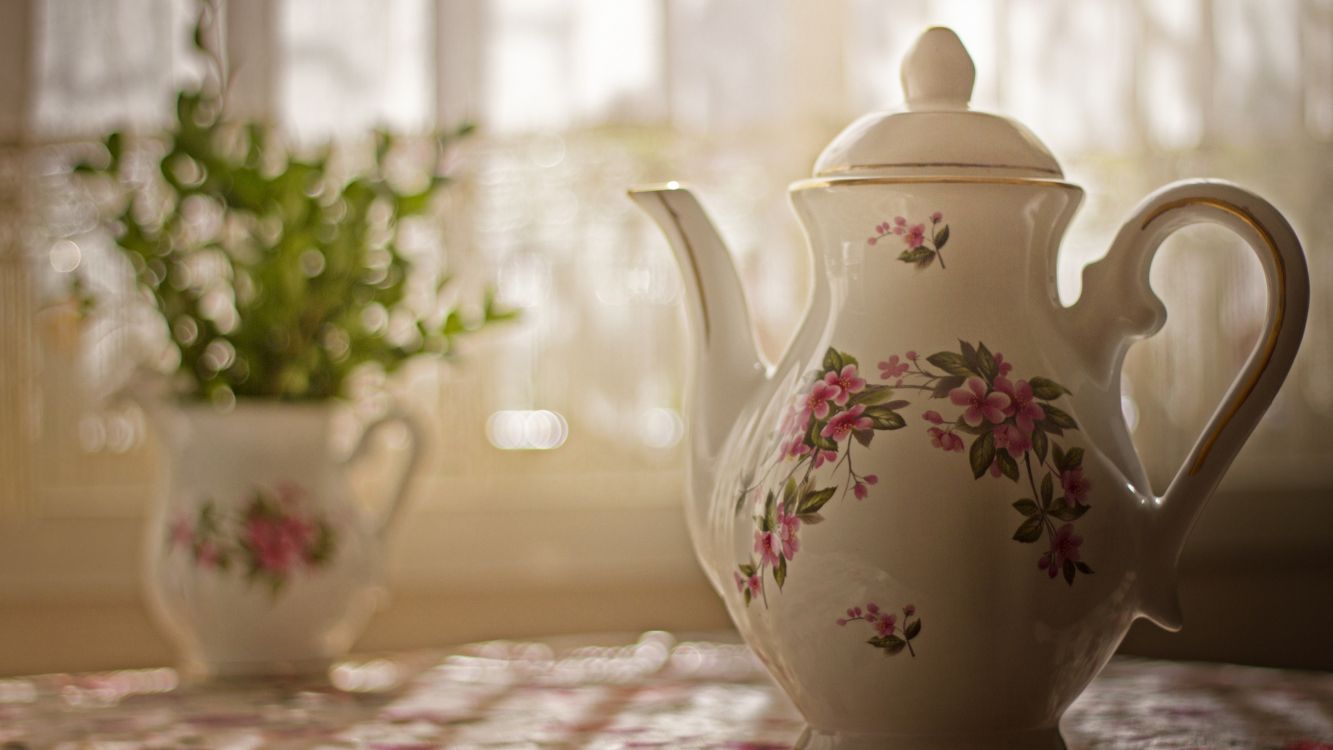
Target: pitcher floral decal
column 270, row 539
column 836, row 410
column 890, row 636
column 921, row 250
column 1013, row 428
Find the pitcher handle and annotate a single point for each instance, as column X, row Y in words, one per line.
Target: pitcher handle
column 389, row 515
column 1120, row 291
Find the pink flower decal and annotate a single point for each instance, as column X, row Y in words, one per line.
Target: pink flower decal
column 272, row 537
column 924, row 246
column 846, row 382
column 890, row 637
column 893, row 368
column 788, row 526
column 845, row 423
column 768, row 546
column 817, row 403
column 983, row 404
column 1012, row 429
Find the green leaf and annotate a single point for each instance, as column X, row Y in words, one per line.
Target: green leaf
column 747, row 596
column 810, row 519
column 833, row 361
column 946, row 384
column 789, row 493
column 1059, row 418
column 1039, row 445
column 884, row 418
column 811, row 502
column 982, row 454
column 872, row 394
column 1068, row 569
column 1083, row 567
column 890, row 644
column 941, row 237
column 747, row 569
column 986, row 363
column 780, row 571
column 969, row 355
column 1074, row 458
column 1029, row 531
column 1046, row 389
column 1047, row 490
column 770, row 520
column 952, row 363
column 1008, row 466
column 1066, row 512
column 913, row 629
column 1058, row 455
column 813, row 437
column 1026, row 507
column 864, row 437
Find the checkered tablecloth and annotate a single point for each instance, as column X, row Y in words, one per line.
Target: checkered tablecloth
column 657, row 692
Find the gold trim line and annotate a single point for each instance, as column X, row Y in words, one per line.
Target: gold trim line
column 846, row 168
column 817, row 182
column 1274, row 331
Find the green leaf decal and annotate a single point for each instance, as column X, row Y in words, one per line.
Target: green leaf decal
column 1046, row 389
column 986, row 364
column 780, row 572
column 1073, row 458
column 912, row 630
column 982, row 454
column 942, row 237
column 945, row 385
column 1029, row 531
column 891, row 644
column 1047, row 491
column 1083, row 567
column 864, row 437
column 832, row 360
column 1065, row 512
column 920, row 255
column 873, row 394
column 885, row 418
column 1026, row 507
column 952, row 363
column 789, row 492
column 812, row 502
column 1039, row 445
column 1068, row 570
column 1008, row 466
column 970, row 358
column 1059, row 418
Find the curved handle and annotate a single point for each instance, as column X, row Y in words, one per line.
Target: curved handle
column 1118, row 288
column 394, row 507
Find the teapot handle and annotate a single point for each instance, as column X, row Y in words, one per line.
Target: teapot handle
column 1118, row 288
column 393, row 509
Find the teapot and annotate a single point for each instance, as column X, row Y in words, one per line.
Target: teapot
column 928, row 519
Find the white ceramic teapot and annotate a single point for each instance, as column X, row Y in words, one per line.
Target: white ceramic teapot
column 928, row 519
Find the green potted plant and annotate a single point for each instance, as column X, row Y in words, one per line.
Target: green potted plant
column 278, row 274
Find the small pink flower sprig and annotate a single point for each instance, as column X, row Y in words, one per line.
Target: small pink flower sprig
column 1011, row 422
column 271, row 539
column 920, row 251
column 890, row 636
column 834, row 410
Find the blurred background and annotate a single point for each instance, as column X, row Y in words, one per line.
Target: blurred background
column 549, row 500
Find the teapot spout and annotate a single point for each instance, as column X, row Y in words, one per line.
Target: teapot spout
column 727, row 368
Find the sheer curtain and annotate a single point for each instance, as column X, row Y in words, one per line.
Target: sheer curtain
column 576, row 99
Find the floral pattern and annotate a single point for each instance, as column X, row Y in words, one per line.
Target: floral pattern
column 921, row 252
column 270, row 539
column 890, row 636
column 835, row 410
column 1015, row 433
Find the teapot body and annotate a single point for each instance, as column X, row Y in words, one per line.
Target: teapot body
column 935, row 511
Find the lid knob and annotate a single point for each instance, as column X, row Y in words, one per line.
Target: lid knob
column 937, row 72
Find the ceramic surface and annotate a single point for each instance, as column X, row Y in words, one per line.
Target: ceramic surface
column 928, row 519
column 257, row 559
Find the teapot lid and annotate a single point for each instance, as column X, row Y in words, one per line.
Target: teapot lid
column 937, row 134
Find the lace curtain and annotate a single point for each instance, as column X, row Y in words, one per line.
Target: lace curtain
column 577, row 99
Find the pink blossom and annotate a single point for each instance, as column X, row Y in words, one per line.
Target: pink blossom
column 945, row 440
column 817, row 401
column 893, row 368
column 767, row 546
column 278, row 543
column 1004, row 367
column 842, row 620
column 208, row 554
column 871, row 241
column 900, row 221
column 1012, row 439
column 845, row 423
column 933, row 417
column 884, row 625
column 787, row 528
column 909, row 610
column 981, row 405
column 847, row 382
column 860, row 491
column 935, row 217
column 995, row 469
column 796, row 447
column 740, row 580
column 756, row 584
column 1064, row 546
column 870, row 479
column 872, row 608
column 182, row 534
column 825, row 457
column 1022, row 403
column 915, row 236
column 751, row 582
column 912, row 355
column 1075, row 486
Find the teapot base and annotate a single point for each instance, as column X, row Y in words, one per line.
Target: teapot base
column 1039, row 739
